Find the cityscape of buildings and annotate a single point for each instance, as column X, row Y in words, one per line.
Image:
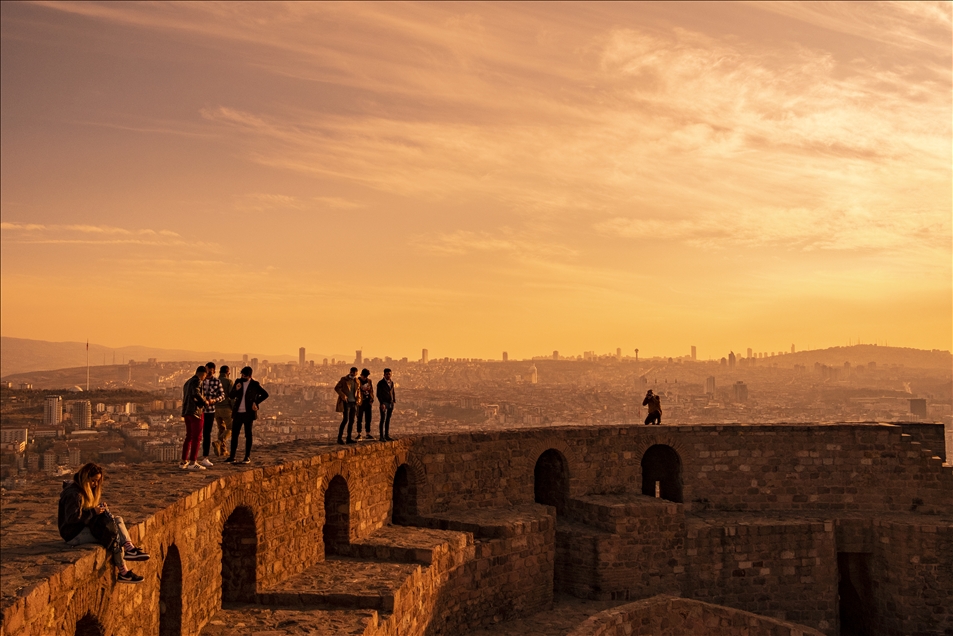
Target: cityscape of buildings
column 132, row 411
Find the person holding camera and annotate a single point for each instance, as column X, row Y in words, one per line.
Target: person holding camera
column 654, row 403
column 84, row 518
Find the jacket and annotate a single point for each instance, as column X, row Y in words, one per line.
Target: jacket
column 72, row 517
column 227, row 405
column 192, row 400
column 654, row 403
column 386, row 393
column 341, row 388
column 255, row 395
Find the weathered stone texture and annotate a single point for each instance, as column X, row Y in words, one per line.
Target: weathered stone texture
column 766, row 515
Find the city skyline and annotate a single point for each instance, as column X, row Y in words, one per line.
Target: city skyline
column 474, row 179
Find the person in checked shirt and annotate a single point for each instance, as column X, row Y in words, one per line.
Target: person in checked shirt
column 213, row 393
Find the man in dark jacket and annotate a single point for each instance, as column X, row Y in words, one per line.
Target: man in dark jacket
column 246, row 395
column 348, row 389
column 654, row 402
column 386, row 398
column 193, row 404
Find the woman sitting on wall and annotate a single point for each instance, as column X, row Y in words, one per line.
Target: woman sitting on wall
column 83, row 518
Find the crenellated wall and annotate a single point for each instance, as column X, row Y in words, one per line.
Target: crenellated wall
column 772, row 520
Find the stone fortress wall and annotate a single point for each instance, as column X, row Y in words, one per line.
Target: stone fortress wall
column 801, row 524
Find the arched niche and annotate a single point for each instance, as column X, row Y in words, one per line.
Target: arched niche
column 551, row 480
column 337, row 517
column 239, row 557
column 661, row 464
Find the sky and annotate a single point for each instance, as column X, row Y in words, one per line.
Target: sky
column 477, row 178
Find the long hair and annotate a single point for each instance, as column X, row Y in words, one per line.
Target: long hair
column 83, row 478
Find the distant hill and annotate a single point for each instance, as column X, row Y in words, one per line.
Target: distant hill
column 865, row 354
column 20, row 355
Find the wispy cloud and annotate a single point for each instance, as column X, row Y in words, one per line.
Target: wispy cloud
column 75, row 234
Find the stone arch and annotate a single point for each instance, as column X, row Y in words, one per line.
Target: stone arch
column 240, row 556
column 662, row 465
column 337, row 516
column 551, row 480
column 404, row 499
column 89, row 625
column 170, row 594
column 550, row 442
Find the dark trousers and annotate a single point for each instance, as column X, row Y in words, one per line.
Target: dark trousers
column 240, row 420
column 654, row 417
column 207, row 426
column 387, row 408
column 350, row 410
column 364, row 414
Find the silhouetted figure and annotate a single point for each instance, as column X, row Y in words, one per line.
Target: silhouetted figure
column 364, row 412
column 386, row 398
column 348, row 389
column 223, row 412
column 246, row 395
column 654, row 403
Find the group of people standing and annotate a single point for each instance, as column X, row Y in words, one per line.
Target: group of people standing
column 356, row 399
column 209, row 402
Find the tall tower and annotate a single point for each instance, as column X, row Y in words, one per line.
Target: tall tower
column 506, row 356
column 301, row 357
column 424, row 356
column 82, row 414
column 695, row 353
column 792, row 348
column 555, row 355
column 533, row 375
column 618, row 354
column 731, row 360
column 358, row 358
column 749, row 353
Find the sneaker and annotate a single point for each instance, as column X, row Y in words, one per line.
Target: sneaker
column 358, row 438
column 184, row 465
column 205, row 462
column 247, row 460
column 128, row 577
column 195, row 467
column 230, row 460
column 135, row 554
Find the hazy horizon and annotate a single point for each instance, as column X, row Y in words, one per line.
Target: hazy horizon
column 477, row 178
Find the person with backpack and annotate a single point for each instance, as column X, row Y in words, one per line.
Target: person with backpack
column 223, row 412
column 84, row 518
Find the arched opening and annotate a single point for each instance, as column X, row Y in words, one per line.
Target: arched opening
column 551, row 480
column 89, row 625
column 170, row 594
column 405, row 497
column 239, row 557
column 337, row 517
column 855, row 595
column 662, row 465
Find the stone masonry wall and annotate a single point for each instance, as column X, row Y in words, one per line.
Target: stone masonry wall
column 668, row 616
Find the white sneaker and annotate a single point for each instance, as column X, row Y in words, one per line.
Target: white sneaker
column 194, row 466
column 184, row 465
column 205, row 462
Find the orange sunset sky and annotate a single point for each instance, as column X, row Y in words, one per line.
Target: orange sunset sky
column 474, row 178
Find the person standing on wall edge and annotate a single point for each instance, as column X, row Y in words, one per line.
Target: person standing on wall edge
column 348, row 389
column 364, row 412
column 654, row 403
column 193, row 405
column 214, row 394
column 246, row 395
column 223, row 412
column 386, row 397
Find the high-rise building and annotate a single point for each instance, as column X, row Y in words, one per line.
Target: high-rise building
column 53, row 410
column 731, row 360
column 506, row 356
column 245, row 360
column 301, row 357
column 533, row 375
column 792, row 348
column 694, row 353
column 82, row 415
column 424, row 356
column 555, row 355
column 710, row 385
column 739, row 391
column 618, row 354
column 749, row 353
column 358, row 358
column 253, row 363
